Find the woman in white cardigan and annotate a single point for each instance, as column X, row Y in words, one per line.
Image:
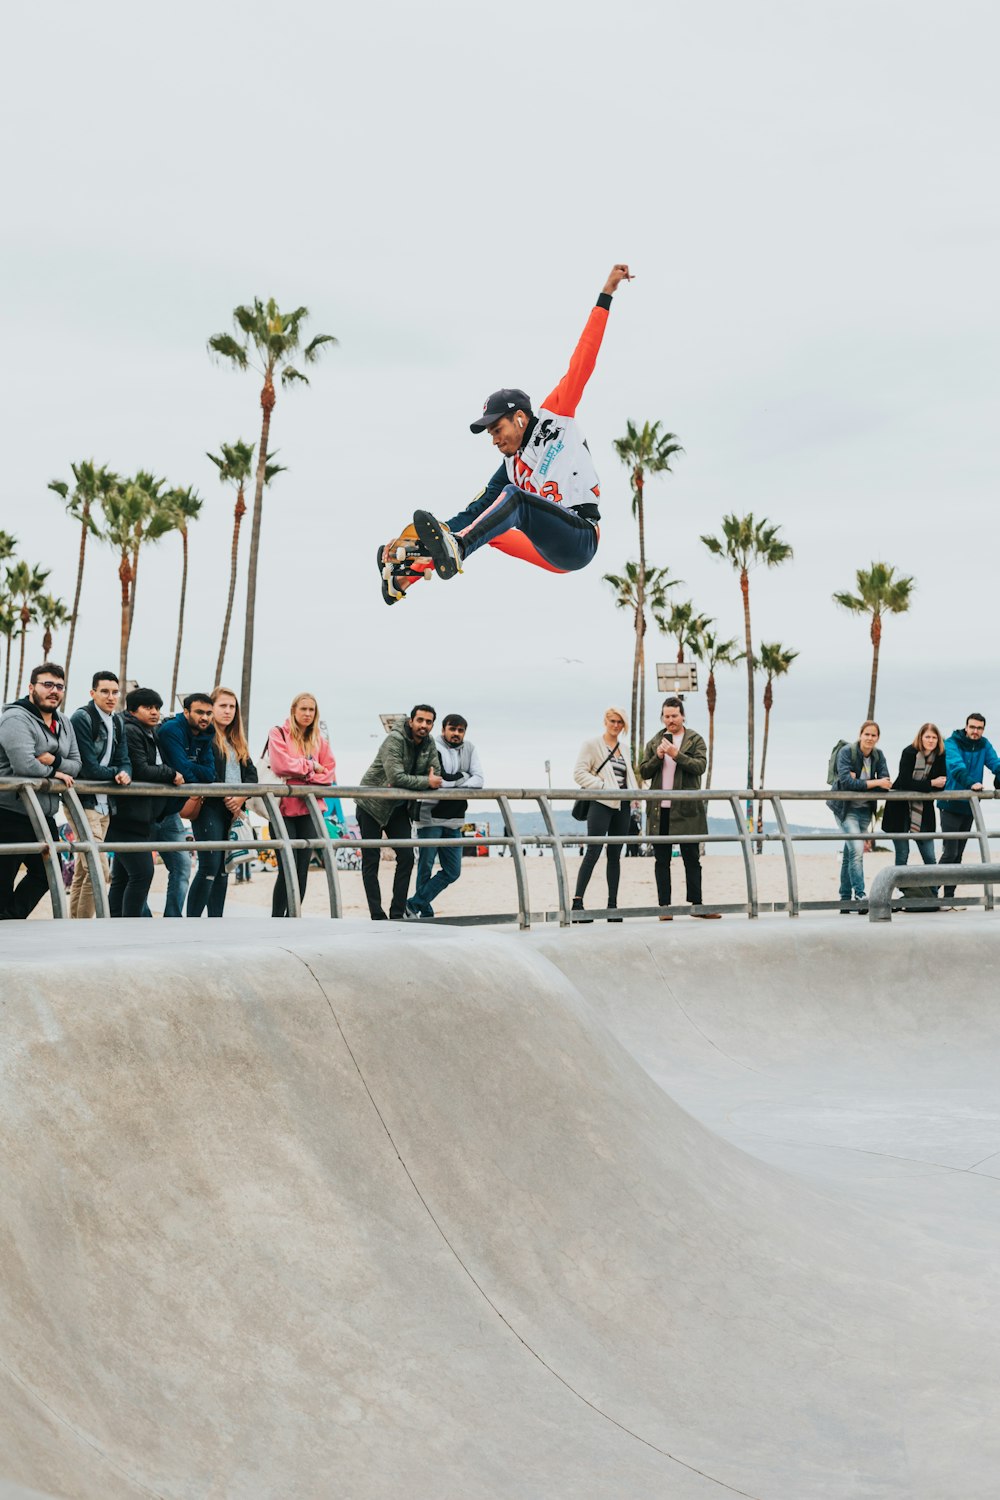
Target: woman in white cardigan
column 602, row 763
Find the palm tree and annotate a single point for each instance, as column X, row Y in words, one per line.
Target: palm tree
column 706, row 647
column 747, row 544
column 880, row 593
column 234, row 464
column 52, row 613
column 267, row 339
column 8, row 624
column 153, row 516
column 645, row 451
column 123, row 506
column 89, row 483
column 775, row 660
column 184, row 506
column 683, row 624
column 25, row 584
column 627, row 596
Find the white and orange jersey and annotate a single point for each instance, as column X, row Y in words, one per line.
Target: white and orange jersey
column 554, row 461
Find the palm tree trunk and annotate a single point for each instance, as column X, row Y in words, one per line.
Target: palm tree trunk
column 636, row 670
column 763, row 765
column 131, row 601
column 20, row 664
column 267, row 400
column 180, row 618
column 6, row 675
column 710, row 700
column 124, row 574
column 745, row 590
column 79, row 586
column 640, row 511
column 876, row 643
column 238, row 515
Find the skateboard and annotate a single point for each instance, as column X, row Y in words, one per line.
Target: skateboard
column 401, row 564
column 424, row 546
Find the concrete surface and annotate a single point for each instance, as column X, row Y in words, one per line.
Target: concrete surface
column 331, row 1210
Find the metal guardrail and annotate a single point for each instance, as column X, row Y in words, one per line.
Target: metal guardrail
column 545, row 799
column 899, row 877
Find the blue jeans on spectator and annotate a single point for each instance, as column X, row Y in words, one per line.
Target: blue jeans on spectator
column 902, row 848
column 429, row 886
column 855, row 823
column 209, row 886
column 178, row 862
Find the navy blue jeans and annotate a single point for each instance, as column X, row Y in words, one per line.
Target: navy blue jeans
column 178, row 863
column 429, row 886
column 554, row 536
column 208, row 888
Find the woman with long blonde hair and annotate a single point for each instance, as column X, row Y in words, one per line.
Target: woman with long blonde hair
column 233, row 766
column 299, row 753
column 602, row 765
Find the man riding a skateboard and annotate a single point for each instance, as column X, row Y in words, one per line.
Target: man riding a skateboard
column 541, row 504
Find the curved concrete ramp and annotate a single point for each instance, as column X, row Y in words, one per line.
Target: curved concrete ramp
column 319, row 1209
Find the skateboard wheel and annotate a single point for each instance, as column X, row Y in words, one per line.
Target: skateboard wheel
column 400, row 554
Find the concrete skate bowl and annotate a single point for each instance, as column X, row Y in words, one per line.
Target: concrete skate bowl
column 322, row 1210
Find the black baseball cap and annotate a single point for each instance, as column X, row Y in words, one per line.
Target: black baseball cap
column 501, row 404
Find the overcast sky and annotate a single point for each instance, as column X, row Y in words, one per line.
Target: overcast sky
column 806, row 192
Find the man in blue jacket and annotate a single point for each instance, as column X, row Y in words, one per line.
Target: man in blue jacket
column 185, row 743
column 967, row 753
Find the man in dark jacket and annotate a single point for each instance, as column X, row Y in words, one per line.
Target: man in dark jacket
column 185, row 743
column 967, row 754
column 134, row 817
column 100, row 734
column 675, row 759
column 407, row 758
column 37, row 743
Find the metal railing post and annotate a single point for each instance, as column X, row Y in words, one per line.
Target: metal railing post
column 285, row 854
column 559, row 855
column 746, row 843
column 788, row 850
column 520, row 870
column 984, row 846
column 326, row 854
column 53, row 866
column 86, row 845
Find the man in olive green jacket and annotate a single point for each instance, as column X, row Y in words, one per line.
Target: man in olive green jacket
column 675, row 759
column 407, row 758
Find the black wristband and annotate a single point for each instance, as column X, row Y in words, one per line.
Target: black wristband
column 604, row 300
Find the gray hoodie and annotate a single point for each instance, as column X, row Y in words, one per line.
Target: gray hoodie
column 24, row 736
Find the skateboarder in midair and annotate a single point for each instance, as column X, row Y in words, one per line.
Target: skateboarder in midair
column 541, row 504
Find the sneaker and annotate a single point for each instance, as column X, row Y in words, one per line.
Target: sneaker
column 707, row 916
column 411, row 914
column 443, row 549
column 667, row 916
column 578, row 907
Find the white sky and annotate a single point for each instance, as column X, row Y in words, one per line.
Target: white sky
column 807, row 193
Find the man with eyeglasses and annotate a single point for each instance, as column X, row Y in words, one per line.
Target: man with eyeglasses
column 37, row 743
column 460, row 766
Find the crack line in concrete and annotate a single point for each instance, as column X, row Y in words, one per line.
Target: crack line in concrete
column 692, row 1468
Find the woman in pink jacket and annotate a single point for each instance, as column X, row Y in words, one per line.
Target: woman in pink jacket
column 298, row 752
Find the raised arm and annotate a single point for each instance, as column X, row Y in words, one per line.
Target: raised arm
column 565, row 399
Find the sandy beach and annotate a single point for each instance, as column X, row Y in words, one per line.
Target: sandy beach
column 487, row 886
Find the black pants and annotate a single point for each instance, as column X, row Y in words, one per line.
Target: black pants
column 952, row 850
column 398, row 827
column 131, row 877
column 209, row 886
column 602, row 821
column 662, row 855
column 17, row 903
column 300, row 826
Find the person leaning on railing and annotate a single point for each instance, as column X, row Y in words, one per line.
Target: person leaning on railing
column 232, row 764
column 968, row 755
column 408, row 759
column 861, row 767
column 602, row 765
column 38, row 743
column 132, row 818
column 297, row 751
column 921, row 769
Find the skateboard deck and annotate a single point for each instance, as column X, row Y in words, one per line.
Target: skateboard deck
column 401, row 564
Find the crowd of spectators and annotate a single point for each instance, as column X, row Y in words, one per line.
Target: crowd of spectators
column 205, row 743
